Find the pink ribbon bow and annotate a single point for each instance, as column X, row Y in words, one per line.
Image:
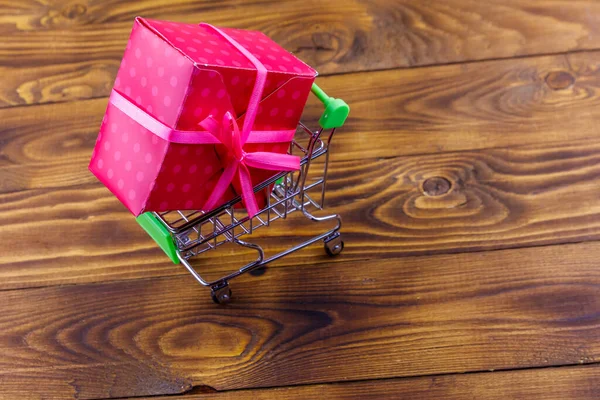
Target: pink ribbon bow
column 228, row 133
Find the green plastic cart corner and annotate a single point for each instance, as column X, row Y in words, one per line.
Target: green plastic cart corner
column 159, row 233
column 336, row 110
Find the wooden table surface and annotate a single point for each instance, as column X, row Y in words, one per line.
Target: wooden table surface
column 468, row 177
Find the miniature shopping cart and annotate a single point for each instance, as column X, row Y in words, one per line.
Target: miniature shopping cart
column 185, row 234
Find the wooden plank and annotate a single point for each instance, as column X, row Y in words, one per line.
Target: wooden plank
column 447, row 203
column 467, row 106
column 399, row 112
column 317, row 324
column 57, row 157
column 61, row 51
column 581, row 382
column 113, row 380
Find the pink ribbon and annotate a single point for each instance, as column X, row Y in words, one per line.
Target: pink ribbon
column 231, row 137
column 227, row 133
column 239, row 161
column 188, row 137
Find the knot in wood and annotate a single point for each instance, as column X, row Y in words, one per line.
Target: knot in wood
column 559, row 80
column 436, row 186
column 73, row 11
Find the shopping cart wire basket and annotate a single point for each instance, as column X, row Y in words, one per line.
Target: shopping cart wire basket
column 184, row 234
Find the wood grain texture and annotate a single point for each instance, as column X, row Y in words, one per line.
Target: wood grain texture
column 65, row 50
column 400, row 112
column 337, row 322
column 77, row 232
column 545, row 384
column 437, row 167
column 496, row 198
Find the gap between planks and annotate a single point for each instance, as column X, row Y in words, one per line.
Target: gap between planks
column 203, row 392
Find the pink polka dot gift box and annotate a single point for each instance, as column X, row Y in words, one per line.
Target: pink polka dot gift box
column 197, row 116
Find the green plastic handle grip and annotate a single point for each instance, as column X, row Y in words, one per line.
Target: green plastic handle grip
column 160, row 234
column 336, row 110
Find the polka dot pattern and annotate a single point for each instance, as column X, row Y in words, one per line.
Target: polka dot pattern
column 147, row 173
column 204, row 100
column 280, row 110
column 122, row 166
column 153, row 75
column 209, row 50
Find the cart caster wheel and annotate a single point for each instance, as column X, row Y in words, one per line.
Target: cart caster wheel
column 334, row 246
column 221, row 295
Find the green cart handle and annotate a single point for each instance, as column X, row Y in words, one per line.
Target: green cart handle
column 159, row 233
column 336, row 110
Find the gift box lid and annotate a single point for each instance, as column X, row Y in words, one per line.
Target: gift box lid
column 206, row 47
column 169, row 56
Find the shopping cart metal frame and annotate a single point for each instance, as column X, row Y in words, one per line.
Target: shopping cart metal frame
column 184, row 234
